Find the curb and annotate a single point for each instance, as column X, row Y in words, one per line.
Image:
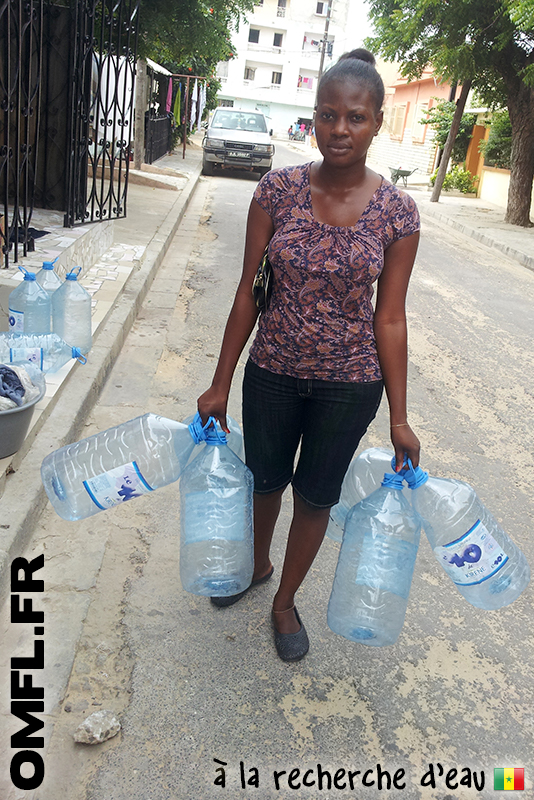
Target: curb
column 479, row 236
column 24, row 497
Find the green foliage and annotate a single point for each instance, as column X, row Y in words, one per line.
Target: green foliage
column 193, row 33
column 458, row 178
column 497, row 150
column 488, row 42
column 464, row 39
column 439, row 117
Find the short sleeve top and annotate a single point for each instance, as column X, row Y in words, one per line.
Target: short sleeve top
column 319, row 323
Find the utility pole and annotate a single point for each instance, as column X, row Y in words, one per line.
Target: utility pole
column 325, row 38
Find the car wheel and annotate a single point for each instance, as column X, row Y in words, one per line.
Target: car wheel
column 207, row 167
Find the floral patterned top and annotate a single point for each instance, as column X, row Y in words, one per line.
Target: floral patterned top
column 319, row 323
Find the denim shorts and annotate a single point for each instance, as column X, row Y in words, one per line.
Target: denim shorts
column 326, row 418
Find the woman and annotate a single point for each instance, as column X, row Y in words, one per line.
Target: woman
column 320, row 358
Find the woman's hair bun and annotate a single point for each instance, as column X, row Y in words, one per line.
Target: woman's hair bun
column 360, row 54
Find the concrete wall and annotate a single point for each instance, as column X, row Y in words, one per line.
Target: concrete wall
column 494, row 185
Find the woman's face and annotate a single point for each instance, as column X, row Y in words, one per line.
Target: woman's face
column 345, row 122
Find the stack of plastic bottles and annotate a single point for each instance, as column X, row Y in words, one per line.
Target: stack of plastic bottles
column 43, row 304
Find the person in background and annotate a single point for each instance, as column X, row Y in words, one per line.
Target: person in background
column 321, row 356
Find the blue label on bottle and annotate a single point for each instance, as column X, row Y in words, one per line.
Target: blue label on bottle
column 16, row 321
column 116, row 486
column 473, row 558
column 215, row 514
column 386, row 563
column 33, row 354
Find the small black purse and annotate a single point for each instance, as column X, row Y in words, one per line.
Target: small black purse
column 263, row 283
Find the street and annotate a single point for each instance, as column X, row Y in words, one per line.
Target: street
column 191, row 683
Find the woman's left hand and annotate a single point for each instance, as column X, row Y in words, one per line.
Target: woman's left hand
column 405, row 443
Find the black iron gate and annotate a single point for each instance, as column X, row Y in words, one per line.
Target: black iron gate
column 66, row 112
column 21, row 26
column 158, row 136
column 101, row 109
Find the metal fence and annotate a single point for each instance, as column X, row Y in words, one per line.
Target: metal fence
column 66, row 112
column 101, row 109
column 21, row 26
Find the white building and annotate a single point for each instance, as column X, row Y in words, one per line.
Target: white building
column 278, row 54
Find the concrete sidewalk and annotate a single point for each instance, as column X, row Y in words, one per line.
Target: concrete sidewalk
column 119, row 283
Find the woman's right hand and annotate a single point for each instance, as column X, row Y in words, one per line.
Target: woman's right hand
column 213, row 403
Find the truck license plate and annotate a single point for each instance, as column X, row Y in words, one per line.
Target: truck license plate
column 237, row 154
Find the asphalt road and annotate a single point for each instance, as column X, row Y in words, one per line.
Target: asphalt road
column 193, row 684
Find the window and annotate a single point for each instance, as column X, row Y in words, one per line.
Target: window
column 397, row 121
column 321, row 9
column 226, row 103
column 281, row 12
column 250, row 73
column 276, row 78
column 277, row 40
column 254, row 35
column 419, row 127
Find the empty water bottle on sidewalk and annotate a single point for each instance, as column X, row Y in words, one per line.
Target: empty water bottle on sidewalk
column 118, row 464
column 48, row 278
column 487, row 568
column 71, row 312
column 375, row 567
column 216, row 542
column 364, row 474
column 47, row 351
column 29, row 306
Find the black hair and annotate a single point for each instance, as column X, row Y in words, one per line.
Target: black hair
column 358, row 65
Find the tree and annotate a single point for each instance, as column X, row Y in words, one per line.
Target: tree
column 497, row 150
column 188, row 31
column 489, row 43
column 440, row 117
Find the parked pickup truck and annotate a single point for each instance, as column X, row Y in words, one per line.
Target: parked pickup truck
column 237, row 140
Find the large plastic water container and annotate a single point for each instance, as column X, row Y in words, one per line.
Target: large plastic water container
column 47, row 351
column 48, row 278
column 364, row 474
column 118, row 464
column 29, row 306
column 71, row 312
column 487, row 568
column 216, row 540
column 375, row 567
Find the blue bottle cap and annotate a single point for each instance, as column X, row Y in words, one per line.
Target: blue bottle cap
column 415, row 476
column 28, row 276
column 215, row 435
column 393, row 480
column 73, row 275
column 50, row 264
column 208, row 433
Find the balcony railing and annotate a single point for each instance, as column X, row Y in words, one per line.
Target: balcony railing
column 280, row 12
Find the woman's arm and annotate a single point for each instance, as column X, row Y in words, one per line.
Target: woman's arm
column 392, row 341
column 242, row 317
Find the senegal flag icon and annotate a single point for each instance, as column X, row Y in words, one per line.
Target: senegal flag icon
column 509, row 778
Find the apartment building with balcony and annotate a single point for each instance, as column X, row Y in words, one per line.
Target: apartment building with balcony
column 278, row 54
